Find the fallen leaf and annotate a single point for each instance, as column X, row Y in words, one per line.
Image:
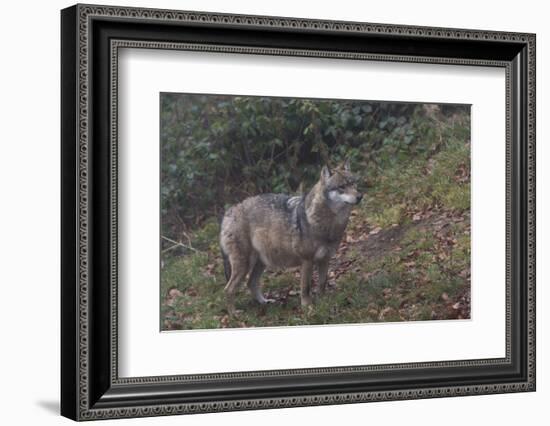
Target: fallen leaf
column 174, row 293
column 385, row 312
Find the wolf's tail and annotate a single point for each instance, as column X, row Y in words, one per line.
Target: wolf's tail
column 226, row 265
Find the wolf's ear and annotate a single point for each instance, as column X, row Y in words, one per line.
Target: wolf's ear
column 347, row 166
column 325, row 173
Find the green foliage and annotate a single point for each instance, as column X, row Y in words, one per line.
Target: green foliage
column 206, row 237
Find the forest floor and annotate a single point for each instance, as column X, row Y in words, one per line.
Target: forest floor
column 405, row 257
column 416, row 271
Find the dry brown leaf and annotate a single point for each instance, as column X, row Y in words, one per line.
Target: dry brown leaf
column 173, row 293
column 375, row 230
column 385, row 312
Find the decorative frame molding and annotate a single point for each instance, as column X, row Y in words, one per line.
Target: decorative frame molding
column 91, row 388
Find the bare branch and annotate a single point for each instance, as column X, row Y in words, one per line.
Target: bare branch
column 178, row 244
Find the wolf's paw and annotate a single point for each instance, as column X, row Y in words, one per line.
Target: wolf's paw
column 306, row 301
column 263, row 300
column 308, row 310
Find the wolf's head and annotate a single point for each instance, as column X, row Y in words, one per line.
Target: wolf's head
column 340, row 186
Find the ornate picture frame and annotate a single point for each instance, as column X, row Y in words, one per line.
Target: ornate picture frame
column 91, row 37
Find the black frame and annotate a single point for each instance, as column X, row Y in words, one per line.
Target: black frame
column 90, row 37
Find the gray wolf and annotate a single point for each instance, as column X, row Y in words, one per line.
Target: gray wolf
column 280, row 231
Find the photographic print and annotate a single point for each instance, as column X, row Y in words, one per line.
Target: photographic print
column 292, row 211
column 319, row 196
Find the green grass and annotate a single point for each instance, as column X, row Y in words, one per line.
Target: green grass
column 422, row 182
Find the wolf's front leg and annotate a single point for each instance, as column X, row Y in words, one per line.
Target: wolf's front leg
column 254, row 283
column 307, row 270
column 322, row 268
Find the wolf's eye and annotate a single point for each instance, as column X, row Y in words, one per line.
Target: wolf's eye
column 340, row 189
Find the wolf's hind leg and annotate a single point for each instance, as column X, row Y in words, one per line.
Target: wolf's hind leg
column 238, row 272
column 322, row 269
column 254, row 282
column 307, row 269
